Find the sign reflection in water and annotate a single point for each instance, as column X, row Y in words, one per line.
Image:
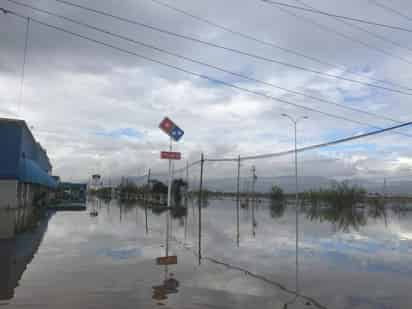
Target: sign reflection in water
column 346, row 254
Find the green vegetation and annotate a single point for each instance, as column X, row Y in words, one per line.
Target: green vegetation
column 337, row 205
column 340, row 195
column 343, row 219
column 177, row 187
column 276, row 194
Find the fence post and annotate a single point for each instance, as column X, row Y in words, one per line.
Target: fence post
column 202, row 161
column 238, row 202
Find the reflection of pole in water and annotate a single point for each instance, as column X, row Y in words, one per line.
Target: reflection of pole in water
column 238, row 202
column 185, row 218
column 193, row 220
column 121, row 212
column 167, row 232
column 145, row 215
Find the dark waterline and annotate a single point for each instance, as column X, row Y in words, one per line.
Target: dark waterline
column 350, row 259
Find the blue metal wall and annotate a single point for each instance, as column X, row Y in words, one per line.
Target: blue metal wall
column 21, row 157
column 10, row 139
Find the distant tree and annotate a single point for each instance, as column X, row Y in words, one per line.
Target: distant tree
column 159, row 187
column 277, row 208
column 276, row 193
column 177, row 186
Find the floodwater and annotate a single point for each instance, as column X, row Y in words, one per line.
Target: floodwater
column 352, row 259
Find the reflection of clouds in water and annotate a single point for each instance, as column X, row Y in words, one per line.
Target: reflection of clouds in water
column 120, row 253
column 327, row 255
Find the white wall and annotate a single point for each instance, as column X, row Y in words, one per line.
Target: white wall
column 8, row 194
column 7, row 223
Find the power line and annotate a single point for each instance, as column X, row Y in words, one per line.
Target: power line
column 229, row 85
column 23, row 70
column 341, row 34
column 302, row 149
column 266, row 43
column 371, row 33
column 209, row 65
column 312, row 147
column 390, row 9
column 237, row 51
column 315, row 11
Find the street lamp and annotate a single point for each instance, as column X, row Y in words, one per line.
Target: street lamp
column 295, row 122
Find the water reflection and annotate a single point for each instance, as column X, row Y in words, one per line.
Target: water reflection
column 168, row 286
column 345, row 218
column 277, row 208
column 106, row 256
column 16, row 254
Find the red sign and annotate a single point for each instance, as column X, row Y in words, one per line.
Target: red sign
column 167, row 125
column 170, row 155
column 171, row 129
column 167, row 260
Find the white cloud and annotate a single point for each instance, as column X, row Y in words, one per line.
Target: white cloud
column 75, row 89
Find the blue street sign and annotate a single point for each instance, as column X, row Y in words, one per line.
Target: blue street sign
column 177, row 133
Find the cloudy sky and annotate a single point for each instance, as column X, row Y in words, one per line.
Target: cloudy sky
column 96, row 109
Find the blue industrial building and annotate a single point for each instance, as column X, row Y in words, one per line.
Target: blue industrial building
column 25, row 175
column 21, row 157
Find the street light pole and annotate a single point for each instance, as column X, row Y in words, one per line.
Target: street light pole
column 295, row 122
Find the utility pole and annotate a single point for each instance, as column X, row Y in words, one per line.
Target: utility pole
column 254, row 178
column 148, row 186
column 238, row 202
column 202, row 162
column 169, row 199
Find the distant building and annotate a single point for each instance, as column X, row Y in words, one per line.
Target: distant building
column 25, row 176
column 71, row 191
column 96, row 183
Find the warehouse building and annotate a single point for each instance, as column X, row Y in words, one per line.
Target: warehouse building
column 25, row 176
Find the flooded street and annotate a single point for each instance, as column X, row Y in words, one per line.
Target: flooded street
column 346, row 260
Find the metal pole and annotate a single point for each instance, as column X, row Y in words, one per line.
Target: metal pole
column 202, row 161
column 297, row 211
column 253, row 200
column 147, row 226
column 169, row 196
column 238, row 202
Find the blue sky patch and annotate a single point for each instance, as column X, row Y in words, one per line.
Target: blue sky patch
column 122, row 132
column 120, row 254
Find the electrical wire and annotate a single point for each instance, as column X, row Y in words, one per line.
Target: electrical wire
column 335, row 142
column 340, row 34
column 23, row 70
column 312, row 147
column 205, row 77
column 269, row 43
column 390, row 9
column 315, row 11
column 212, row 66
column 233, row 50
column 371, row 33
